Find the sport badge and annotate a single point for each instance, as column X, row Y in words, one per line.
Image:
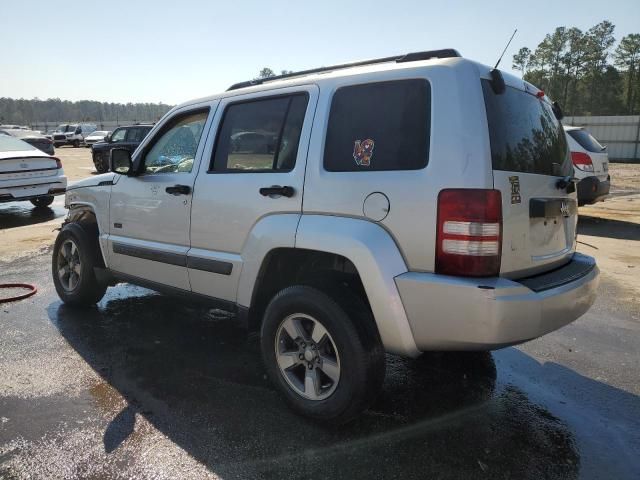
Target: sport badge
column 363, row 151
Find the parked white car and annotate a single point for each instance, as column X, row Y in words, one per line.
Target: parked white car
column 406, row 204
column 95, row 137
column 27, row 173
column 591, row 165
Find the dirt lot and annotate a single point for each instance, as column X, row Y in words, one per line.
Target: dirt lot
column 146, row 386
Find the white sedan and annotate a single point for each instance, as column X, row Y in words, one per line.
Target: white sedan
column 95, row 137
column 27, row 173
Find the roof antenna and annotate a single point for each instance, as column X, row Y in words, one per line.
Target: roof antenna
column 505, row 48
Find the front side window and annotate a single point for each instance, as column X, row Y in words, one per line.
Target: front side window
column 119, row 135
column 379, row 127
column 174, row 150
column 260, row 135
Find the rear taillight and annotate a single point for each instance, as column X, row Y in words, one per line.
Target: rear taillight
column 582, row 161
column 58, row 162
column 469, row 237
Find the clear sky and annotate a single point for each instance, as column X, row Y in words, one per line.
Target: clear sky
column 171, row 51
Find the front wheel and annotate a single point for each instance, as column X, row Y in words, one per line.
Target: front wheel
column 76, row 143
column 42, row 202
column 322, row 352
column 75, row 254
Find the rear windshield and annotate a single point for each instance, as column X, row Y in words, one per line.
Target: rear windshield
column 525, row 134
column 10, row 144
column 586, row 140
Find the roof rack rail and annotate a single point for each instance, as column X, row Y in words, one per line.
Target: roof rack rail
column 409, row 57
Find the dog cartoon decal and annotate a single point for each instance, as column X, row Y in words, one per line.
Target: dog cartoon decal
column 363, row 151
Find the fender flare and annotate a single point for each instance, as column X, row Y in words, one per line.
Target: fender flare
column 77, row 210
column 366, row 244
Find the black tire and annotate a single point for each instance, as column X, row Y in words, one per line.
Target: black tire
column 42, row 202
column 76, row 143
column 88, row 290
column 352, row 328
column 101, row 163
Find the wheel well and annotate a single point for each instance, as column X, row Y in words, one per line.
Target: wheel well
column 86, row 218
column 283, row 267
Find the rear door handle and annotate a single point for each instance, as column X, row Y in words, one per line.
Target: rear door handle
column 178, row 190
column 277, row 190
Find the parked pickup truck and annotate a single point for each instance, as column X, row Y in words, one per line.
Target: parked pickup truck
column 128, row 137
column 407, row 204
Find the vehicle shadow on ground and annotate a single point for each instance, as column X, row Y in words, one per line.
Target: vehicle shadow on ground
column 603, row 227
column 198, row 378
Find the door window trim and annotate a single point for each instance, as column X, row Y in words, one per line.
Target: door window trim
column 210, row 168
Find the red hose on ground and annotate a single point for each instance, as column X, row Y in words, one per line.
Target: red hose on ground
column 32, row 290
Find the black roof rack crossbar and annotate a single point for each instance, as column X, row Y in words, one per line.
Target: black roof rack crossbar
column 409, row 57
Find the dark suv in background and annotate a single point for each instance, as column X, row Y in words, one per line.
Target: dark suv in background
column 128, row 137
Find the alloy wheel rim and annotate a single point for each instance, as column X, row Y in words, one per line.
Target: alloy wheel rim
column 307, row 356
column 69, row 266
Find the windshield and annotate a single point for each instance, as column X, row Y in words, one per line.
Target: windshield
column 61, row 128
column 525, row 134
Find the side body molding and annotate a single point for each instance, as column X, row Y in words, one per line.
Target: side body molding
column 378, row 261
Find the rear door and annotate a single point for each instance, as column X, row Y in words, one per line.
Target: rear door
column 530, row 157
column 255, row 173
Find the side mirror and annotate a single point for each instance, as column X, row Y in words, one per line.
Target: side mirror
column 120, row 161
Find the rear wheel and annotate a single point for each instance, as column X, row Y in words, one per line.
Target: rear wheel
column 42, row 202
column 75, row 254
column 76, row 143
column 322, row 352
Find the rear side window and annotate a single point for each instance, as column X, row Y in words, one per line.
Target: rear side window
column 524, row 133
column 260, row 135
column 137, row 134
column 379, row 126
column 586, row 140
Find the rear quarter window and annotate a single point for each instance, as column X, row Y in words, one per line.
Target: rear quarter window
column 524, row 133
column 378, row 127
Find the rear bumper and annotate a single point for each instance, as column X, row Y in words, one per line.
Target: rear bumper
column 28, row 190
column 456, row 313
column 592, row 190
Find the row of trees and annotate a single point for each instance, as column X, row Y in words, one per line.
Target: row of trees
column 584, row 72
column 26, row 112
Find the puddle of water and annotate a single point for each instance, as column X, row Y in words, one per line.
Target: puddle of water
column 20, row 214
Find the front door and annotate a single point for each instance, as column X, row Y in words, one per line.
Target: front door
column 149, row 221
column 254, row 174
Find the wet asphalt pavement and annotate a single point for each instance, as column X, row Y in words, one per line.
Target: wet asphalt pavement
column 21, row 214
column 148, row 386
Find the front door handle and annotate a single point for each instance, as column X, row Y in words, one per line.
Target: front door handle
column 277, row 190
column 178, row 190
